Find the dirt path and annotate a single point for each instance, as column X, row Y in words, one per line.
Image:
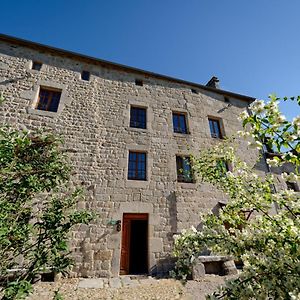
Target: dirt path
column 152, row 289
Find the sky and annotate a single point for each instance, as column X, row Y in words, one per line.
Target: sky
column 252, row 46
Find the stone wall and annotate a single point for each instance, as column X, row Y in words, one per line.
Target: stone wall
column 93, row 119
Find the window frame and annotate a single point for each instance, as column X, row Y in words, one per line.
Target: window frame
column 143, row 122
column 180, row 166
column 136, row 167
column 219, row 123
column 179, row 129
column 52, row 92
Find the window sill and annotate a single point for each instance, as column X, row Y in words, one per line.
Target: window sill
column 177, row 134
column 39, row 112
column 187, row 185
column 137, row 129
column 136, row 183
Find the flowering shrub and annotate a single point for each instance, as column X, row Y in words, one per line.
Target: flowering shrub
column 259, row 226
column 34, row 234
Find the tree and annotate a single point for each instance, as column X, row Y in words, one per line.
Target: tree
column 37, row 209
column 247, row 228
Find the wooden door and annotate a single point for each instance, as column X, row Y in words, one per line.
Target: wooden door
column 126, row 240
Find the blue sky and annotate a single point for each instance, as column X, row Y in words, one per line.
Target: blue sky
column 252, row 46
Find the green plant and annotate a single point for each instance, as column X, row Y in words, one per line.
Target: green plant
column 37, row 209
column 247, row 227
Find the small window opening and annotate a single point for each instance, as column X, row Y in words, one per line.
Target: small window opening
column 194, row 91
column 139, row 82
column 85, row 75
column 226, row 99
column 36, row 65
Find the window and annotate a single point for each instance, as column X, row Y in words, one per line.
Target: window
column 139, row 82
column 36, row 66
column 85, row 75
column 138, row 117
column 184, row 169
column 179, row 123
column 137, row 166
column 215, row 128
column 48, row 99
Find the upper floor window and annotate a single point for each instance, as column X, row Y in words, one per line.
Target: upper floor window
column 139, row 82
column 137, row 166
column 138, row 117
column 179, row 122
column 85, row 75
column 48, row 99
column 215, row 128
column 36, row 65
column 184, row 169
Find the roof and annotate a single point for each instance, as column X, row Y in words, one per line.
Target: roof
column 105, row 63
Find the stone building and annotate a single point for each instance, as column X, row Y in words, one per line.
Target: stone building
column 130, row 132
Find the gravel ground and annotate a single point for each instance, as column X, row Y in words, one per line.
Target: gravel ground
column 163, row 289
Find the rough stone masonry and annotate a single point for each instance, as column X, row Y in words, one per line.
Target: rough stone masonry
column 93, row 118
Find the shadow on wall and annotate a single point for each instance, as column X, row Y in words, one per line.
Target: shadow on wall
column 163, row 267
column 172, row 206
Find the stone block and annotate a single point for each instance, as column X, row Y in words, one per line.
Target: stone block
column 156, row 244
column 229, row 267
column 198, row 271
column 90, row 283
column 115, row 282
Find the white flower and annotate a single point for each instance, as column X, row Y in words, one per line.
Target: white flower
column 273, row 162
column 243, row 133
column 273, row 107
column 258, row 106
column 292, row 177
column 289, row 177
column 296, row 121
column 244, row 115
column 284, row 176
column 255, row 144
column 280, row 119
column 194, row 229
column 289, row 137
column 229, row 174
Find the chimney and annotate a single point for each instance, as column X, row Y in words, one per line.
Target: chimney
column 214, row 82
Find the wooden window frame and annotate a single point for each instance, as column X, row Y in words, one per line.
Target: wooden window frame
column 219, row 126
column 179, row 167
column 137, row 123
column 136, row 169
column 176, row 114
column 52, row 93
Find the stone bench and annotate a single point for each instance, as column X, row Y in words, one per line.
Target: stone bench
column 213, row 264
